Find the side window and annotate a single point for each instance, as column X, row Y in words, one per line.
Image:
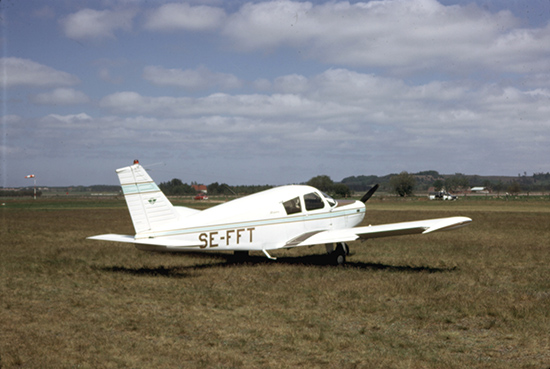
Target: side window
column 293, row 206
column 313, row 201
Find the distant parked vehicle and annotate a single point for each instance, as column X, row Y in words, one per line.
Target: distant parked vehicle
column 441, row 195
column 201, row 196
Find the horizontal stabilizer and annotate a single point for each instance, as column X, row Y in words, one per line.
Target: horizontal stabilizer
column 113, row 237
column 160, row 241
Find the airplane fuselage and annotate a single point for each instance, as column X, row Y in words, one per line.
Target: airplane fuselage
column 258, row 222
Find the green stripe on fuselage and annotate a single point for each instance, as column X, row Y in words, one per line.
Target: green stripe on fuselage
column 258, row 223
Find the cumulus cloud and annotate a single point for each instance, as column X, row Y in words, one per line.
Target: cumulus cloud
column 345, row 104
column 25, row 72
column 255, row 105
column 397, row 35
column 96, row 24
column 61, row 96
column 293, row 83
column 192, row 79
column 335, row 117
column 174, row 16
column 406, row 82
column 68, row 119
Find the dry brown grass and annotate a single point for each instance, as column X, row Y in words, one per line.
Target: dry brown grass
column 475, row 297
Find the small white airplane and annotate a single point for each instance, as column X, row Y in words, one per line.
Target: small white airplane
column 278, row 218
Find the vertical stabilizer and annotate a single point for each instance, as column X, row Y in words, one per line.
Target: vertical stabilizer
column 148, row 206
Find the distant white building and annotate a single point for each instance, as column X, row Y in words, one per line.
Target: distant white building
column 482, row 190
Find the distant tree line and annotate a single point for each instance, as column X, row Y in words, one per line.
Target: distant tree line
column 404, row 183
column 328, row 186
column 176, row 187
column 401, row 184
column 19, row 193
column 225, row 189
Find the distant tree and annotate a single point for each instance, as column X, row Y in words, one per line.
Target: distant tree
column 403, row 184
column 225, row 189
column 488, row 185
column 213, row 188
column 322, row 183
column 219, row 189
column 514, row 188
column 361, row 183
column 433, row 173
column 340, row 190
column 498, row 187
column 457, row 182
column 176, row 187
column 438, row 184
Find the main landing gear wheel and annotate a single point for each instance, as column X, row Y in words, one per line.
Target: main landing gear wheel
column 339, row 255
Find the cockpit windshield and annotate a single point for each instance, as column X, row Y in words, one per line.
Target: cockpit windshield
column 313, row 201
column 329, row 199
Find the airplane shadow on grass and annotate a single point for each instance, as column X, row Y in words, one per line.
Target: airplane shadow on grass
column 232, row 261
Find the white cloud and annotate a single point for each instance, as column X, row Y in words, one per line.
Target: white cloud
column 340, row 117
column 69, row 119
column 271, row 24
column 97, row 24
column 353, row 107
column 293, row 83
column 399, row 35
column 174, row 16
column 24, row 72
column 193, row 79
column 61, row 96
column 257, row 106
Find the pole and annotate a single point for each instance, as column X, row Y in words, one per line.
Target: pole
column 33, row 177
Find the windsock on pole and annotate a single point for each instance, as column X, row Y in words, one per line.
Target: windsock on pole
column 32, row 176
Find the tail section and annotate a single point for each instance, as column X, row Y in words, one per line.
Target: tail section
column 149, row 208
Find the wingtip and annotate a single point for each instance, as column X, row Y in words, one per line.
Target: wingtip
column 448, row 224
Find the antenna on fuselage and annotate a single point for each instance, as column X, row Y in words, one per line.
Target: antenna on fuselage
column 230, row 189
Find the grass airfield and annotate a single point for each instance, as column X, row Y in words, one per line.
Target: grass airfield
column 477, row 297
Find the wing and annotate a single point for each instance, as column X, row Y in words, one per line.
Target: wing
column 376, row 231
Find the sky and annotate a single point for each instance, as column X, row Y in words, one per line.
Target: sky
column 272, row 92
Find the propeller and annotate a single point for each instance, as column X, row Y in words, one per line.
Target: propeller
column 369, row 193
